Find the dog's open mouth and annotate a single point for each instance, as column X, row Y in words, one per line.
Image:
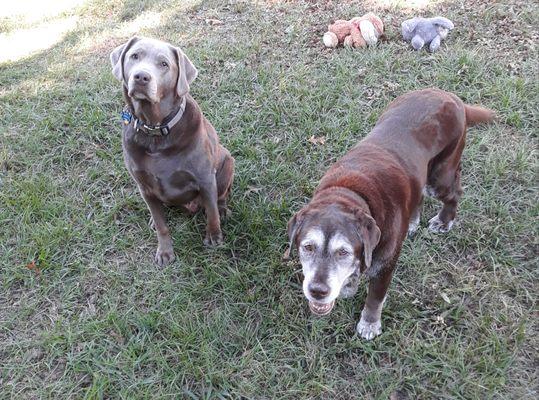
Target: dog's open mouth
column 321, row 308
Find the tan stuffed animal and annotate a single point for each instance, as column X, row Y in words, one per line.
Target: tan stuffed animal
column 358, row 32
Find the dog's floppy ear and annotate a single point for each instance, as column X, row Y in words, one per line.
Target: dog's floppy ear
column 369, row 234
column 294, row 225
column 186, row 72
column 117, row 58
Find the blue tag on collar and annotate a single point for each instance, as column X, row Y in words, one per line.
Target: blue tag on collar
column 126, row 117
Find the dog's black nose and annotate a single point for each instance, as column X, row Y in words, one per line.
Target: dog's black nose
column 318, row 290
column 142, row 78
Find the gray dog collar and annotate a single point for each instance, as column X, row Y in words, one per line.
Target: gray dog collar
column 154, row 130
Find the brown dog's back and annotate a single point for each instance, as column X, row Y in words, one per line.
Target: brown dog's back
column 416, row 143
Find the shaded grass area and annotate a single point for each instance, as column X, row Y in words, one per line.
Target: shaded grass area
column 98, row 319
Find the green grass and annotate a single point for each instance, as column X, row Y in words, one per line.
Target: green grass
column 101, row 320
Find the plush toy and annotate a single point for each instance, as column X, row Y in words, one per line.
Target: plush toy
column 426, row 31
column 358, row 32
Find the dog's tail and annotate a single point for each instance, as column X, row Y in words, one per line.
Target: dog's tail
column 477, row 115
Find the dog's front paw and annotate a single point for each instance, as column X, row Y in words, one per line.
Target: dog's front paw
column 213, row 239
column 438, row 226
column 369, row 330
column 164, row 256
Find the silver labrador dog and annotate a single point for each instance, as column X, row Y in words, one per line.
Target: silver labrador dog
column 171, row 151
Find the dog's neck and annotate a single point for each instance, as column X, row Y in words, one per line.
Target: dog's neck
column 153, row 113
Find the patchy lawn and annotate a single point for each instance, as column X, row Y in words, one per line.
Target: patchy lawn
column 84, row 311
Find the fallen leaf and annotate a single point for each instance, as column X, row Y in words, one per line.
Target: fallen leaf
column 439, row 320
column 252, row 189
column 33, row 267
column 317, row 140
column 445, row 297
column 213, row 21
column 117, row 337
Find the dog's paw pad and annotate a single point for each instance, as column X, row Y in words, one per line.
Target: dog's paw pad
column 164, row 256
column 437, row 226
column 369, row 330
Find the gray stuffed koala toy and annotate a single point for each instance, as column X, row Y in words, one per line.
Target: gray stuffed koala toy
column 426, row 31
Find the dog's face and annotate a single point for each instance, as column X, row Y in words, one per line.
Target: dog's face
column 151, row 69
column 333, row 245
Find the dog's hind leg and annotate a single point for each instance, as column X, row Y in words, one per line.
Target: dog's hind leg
column 208, row 195
column 414, row 220
column 444, row 180
column 225, row 177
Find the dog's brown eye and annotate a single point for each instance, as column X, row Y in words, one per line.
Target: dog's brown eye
column 164, row 64
column 308, row 247
column 134, row 56
column 342, row 253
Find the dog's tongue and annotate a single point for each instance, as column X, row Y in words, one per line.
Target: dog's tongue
column 321, row 308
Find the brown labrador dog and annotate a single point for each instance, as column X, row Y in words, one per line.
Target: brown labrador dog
column 371, row 198
column 170, row 149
